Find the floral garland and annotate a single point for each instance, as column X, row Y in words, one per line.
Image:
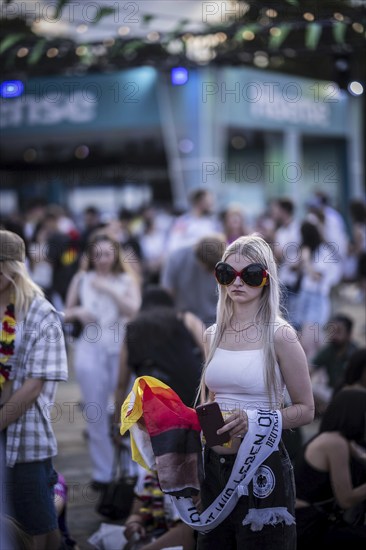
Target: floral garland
column 7, row 343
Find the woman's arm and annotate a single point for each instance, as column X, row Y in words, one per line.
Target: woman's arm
column 74, row 311
column 134, row 522
column 295, row 371
column 338, row 458
column 72, row 295
column 128, row 301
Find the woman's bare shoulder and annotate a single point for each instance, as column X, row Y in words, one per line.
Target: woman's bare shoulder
column 333, row 441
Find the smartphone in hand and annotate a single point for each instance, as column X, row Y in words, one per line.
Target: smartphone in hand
column 211, row 419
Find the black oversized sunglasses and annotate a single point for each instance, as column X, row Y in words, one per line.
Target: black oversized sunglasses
column 253, row 274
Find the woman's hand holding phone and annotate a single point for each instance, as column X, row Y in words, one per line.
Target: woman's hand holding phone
column 236, row 424
column 218, row 431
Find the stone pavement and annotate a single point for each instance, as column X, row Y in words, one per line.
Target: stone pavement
column 73, row 459
column 74, row 464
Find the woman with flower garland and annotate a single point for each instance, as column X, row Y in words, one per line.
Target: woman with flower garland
column 103, row 298
column 32, row 360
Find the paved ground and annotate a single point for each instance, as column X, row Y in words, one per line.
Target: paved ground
column 73, row 460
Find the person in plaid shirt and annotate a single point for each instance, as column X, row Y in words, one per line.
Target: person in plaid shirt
column 32, row 360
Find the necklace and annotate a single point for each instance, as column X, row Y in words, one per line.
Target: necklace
column 7, row 343
column 241, row 329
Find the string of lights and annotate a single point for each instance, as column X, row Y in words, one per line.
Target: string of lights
column 283, row 36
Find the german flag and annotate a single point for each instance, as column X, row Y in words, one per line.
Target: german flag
column 165, row 435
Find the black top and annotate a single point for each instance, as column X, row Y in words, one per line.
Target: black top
column 312, row 485
column 160, row 345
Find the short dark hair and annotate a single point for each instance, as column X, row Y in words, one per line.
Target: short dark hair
column 346, row 413
column 209, row 250
column 355, row 366
column 344, row 319
column 156, row 296
column 197, row 194
column 358, row 210
column 92, row 210
column 287, row 205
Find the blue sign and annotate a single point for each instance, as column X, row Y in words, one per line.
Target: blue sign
column 120, row 100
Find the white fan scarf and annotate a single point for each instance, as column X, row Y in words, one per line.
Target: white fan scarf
column 263, row 437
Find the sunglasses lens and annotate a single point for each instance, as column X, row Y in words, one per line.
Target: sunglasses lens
column 253, row 275
column 225, row 274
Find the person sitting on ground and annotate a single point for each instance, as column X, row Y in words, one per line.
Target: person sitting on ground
column 154, row 520
column 330, row 476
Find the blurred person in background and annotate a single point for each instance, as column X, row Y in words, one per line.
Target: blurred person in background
column 103, row 298
column 41, row 268
column 265, row 226
column 328, row 365
column 330, row 475
column 152, row 243
column 233, row 222
column 61, row 502
column 199, row 221
column 286, row 247
column 354, row 375
column 119, row 228
column 187, row 275
column 34, row 214
column 127, row 237
column 32, row 360
column 162, row 342
column 166, row 344
column 91, row 222
column 62, row 251
column 335, row 230
column 316, row 278
column 154, row 523
column 357, row 247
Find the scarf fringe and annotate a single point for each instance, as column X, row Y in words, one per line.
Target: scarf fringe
column 256, row 518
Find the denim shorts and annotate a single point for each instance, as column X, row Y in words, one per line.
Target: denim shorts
column 231, row 534
column 29, row 493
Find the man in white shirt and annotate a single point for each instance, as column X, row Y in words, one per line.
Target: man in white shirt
column 199, row 221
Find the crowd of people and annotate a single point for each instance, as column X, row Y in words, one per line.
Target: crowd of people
column 218, row 306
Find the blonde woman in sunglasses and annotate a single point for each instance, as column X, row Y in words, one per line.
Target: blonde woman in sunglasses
column 253, row 359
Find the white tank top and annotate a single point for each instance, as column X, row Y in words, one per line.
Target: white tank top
column 237, row 380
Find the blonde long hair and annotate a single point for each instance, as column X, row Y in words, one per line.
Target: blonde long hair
column 25, row 290
column 257, row 250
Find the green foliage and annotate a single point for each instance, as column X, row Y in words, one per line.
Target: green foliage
column 275, row 41
column 313, row 33
column 339, row 32
column 37, row 52
column 10, row 41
